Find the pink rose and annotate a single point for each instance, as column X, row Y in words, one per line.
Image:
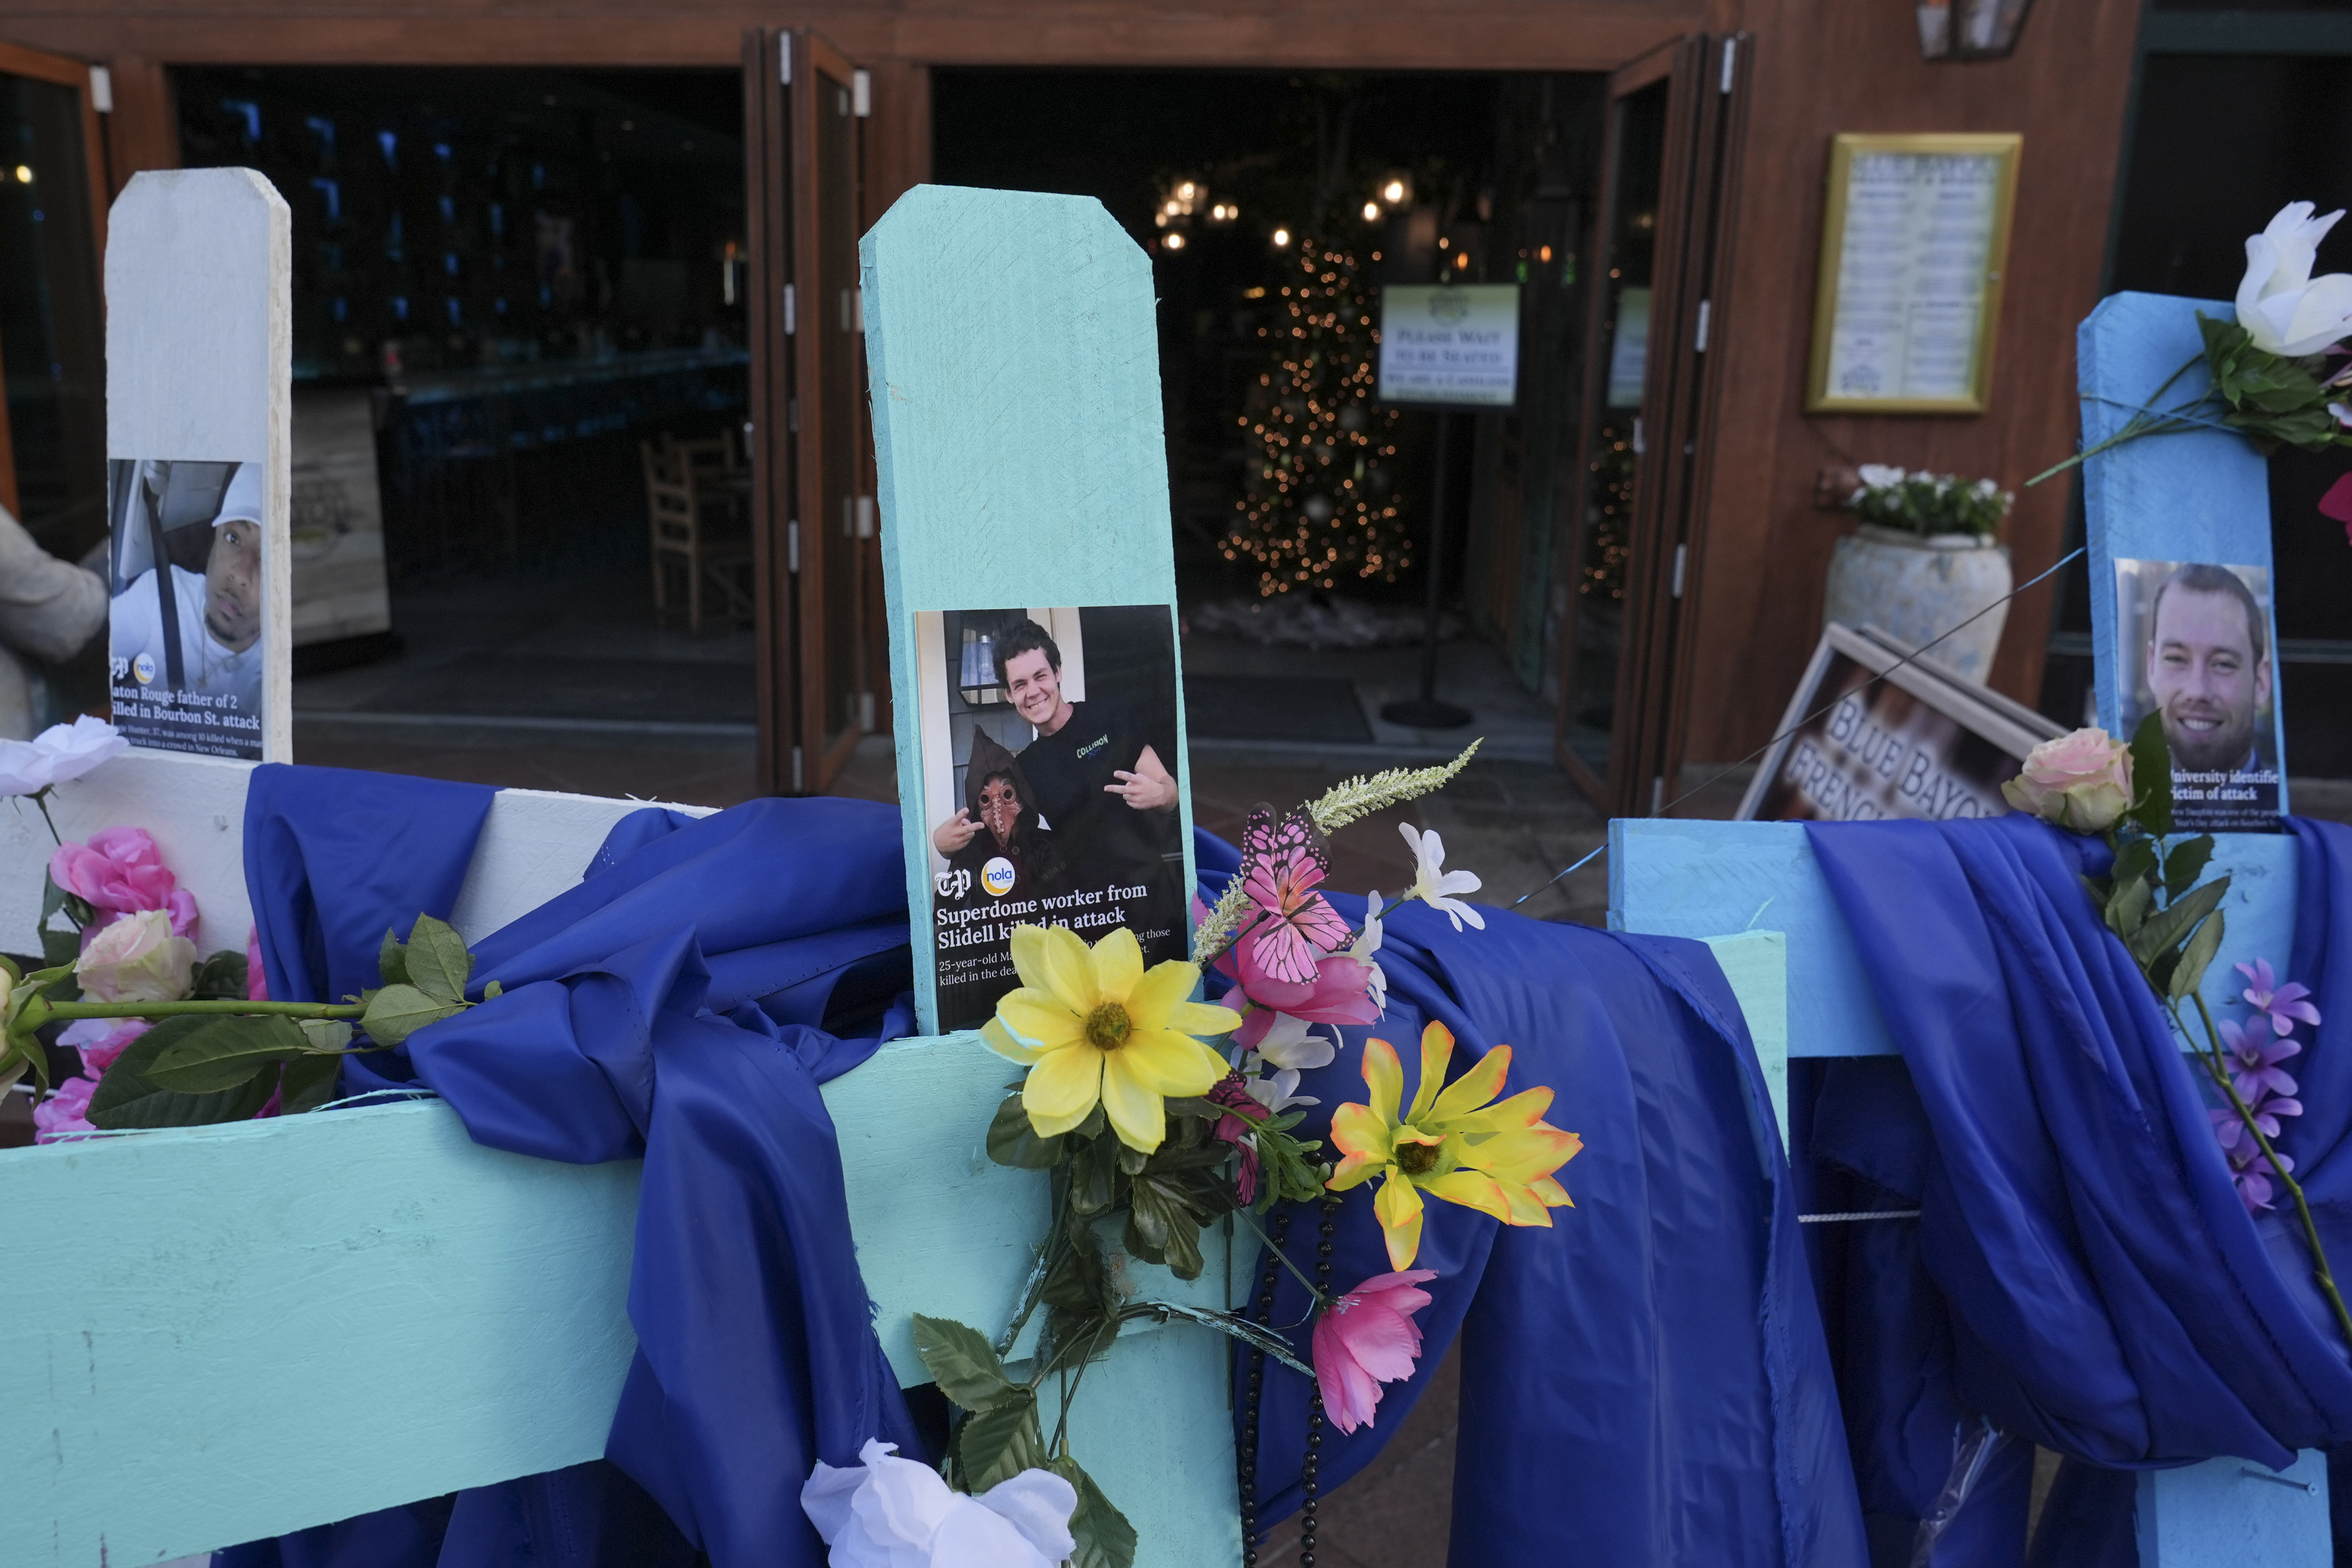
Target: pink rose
column 118, row 872
column 138, row 958
column 257, row 973
column 100, row 1040
column 65, row 1113
column 2081, row 782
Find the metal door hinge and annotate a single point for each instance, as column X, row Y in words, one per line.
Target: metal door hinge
column 792, row 414
column 102, row 89
column 1640, row 445
column 1706, row 318
column 861, row 93
column 796, row 769
column 1682, row 559
column 791, row 312
column 848, row 310
column 865, row 711
column 865, row 517
column 784, row 59
column 1730, row 54
column 1657, row 791
column 792, row 547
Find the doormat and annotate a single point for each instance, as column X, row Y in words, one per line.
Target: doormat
column 1274, row 708
column 495, row 686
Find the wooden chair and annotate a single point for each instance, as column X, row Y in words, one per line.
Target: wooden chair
column 695, row 510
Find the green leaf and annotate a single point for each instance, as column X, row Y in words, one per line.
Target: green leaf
column 2189, row 972
column 59, row 949
column 2134, row 861
column 1162, row 1226
column 220, row 978
column 125, row 1099
column 1012, row 1140
column 1079, row 1283
column 1130, row 1160
column 53, row 898
column 2171, row 924
column 324, row 1035
column 222, row 1053
column 493, row 990
column 997, row 1445
column 963, row 1364
column 2186, row 864
column 2151, row 777
column 2128, row 908
column 397, row 1011
column 438, row 964
column 392, row 960
column 1094, row 1176
column 308, row 1083
column 1105, row 1539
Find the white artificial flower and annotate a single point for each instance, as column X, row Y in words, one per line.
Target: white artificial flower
column 889, row 1512
column 1435, row 886
column 59, row 753
column 1879, row 477
column 2343, row 413
column 1279, row 1093
column 1368, row 944
column 138, row 958
column 1289, row 1043
column 2282, row 306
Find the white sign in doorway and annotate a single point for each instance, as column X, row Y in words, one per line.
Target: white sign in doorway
column 1450, row 343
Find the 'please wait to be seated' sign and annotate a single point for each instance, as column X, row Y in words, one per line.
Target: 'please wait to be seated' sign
column 1450, row 343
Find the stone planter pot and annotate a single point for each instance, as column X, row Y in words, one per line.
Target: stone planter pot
column 1918, row 587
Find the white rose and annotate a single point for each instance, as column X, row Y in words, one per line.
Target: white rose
column 2282, row 306
column 1879, row 477
column 137, row 958
column 59, row 753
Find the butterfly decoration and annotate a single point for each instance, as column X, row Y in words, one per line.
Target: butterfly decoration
column 1282, row 859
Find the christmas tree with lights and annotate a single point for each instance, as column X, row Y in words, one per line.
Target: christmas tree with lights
column 1318, row 502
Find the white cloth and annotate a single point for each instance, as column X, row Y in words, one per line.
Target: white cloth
column 205, row 664
column 890, row 1513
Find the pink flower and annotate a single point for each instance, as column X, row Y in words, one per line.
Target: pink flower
column 120, row 872
column 100, row 1040
column 257, row 976
column 65, row 1113
column 1341, row 992
column 1243, row 1111
column 2081, row 782
column 1366, row 1338
column 2285, row 1005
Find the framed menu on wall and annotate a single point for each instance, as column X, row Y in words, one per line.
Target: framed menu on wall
column 1914, row 237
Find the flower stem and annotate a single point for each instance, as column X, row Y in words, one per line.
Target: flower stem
column 2144, row 423
column 177, row 1009
column 2221, row 1077
column 1321, row 1300
column 40, row 797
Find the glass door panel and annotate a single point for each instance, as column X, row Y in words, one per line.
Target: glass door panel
column 52, row 324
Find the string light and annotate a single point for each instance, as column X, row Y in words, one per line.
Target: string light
column 1318, row 502
column 1282, row 236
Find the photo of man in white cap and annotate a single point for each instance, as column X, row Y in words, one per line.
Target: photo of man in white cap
column 216, row 613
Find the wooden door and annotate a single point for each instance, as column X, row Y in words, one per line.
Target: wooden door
column 1662, row 237
column 52, row 320
column 813, row 508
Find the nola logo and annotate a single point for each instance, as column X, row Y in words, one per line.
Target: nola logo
column 1096, row 744
column 953, row 884
column 143, row 667
column 996, row 877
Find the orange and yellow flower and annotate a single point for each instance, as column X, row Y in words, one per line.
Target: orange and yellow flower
column 1497, row 1159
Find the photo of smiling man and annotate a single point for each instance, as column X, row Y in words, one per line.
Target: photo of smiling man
column 1047, row 735
column 185, row 627
column 2197, row 647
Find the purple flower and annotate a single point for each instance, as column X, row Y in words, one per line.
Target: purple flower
column 2284, row 1004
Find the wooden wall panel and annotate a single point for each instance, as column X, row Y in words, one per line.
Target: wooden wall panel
column 1546, row 34
column 1828, row 66
column 143, row 131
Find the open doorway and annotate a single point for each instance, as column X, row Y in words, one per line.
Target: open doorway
column 1275, row 206
column 520, row 496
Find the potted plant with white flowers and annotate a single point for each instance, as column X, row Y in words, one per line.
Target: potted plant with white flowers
column 1925, row 560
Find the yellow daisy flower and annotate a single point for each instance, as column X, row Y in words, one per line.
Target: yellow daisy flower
column 1092, row 1026
column 1497, row 1159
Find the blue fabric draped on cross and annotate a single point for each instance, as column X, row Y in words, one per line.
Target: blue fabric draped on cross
column 1646, row 1381
column 2083, row 1274
column 666, row 1009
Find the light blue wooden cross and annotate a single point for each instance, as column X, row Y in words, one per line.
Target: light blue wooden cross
column 2193, row 496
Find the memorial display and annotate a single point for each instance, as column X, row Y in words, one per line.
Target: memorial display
column 663, row 1188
